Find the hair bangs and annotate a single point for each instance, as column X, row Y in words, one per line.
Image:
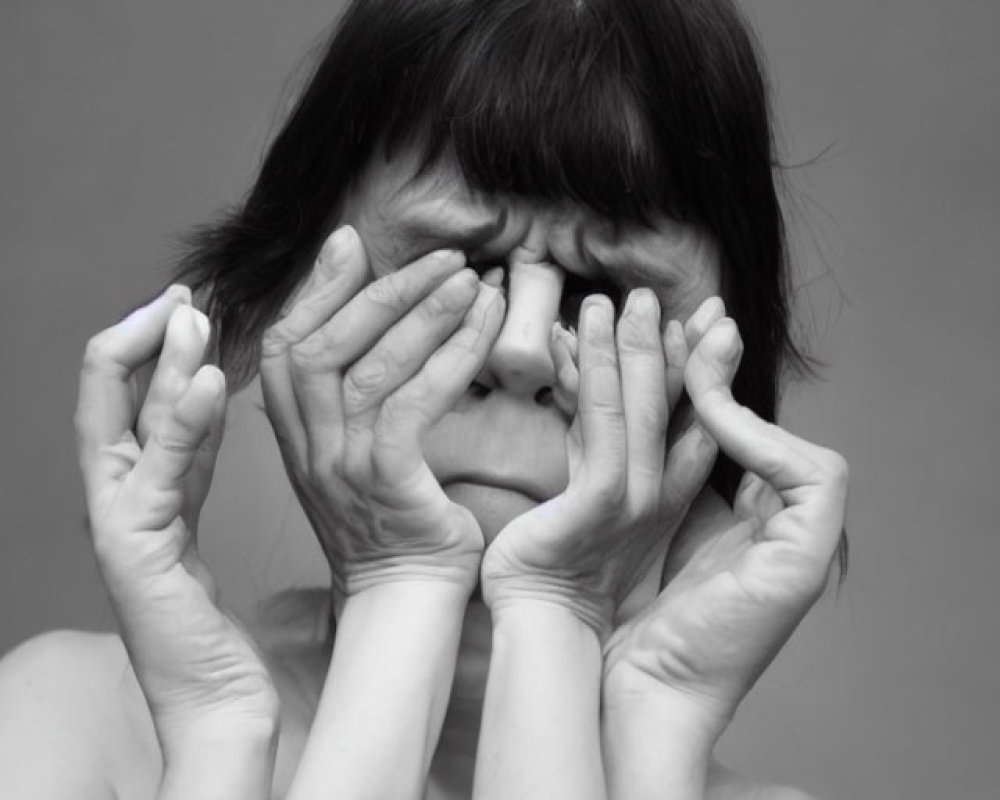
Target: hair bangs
column 537, row 100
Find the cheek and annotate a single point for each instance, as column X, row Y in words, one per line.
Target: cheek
column 381, row 246
column 703, row 279
column 372, row 220
column 685, row 300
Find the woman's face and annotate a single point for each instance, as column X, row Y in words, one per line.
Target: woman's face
column 502, row 449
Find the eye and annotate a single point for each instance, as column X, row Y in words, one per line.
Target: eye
column 577, row 288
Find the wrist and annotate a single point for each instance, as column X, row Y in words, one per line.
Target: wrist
column 403, row 595
column 459, row 570
column 220, row 760
column 629, row 692
column 513, row 599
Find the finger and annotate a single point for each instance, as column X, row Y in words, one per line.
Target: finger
column 600, row 410
column 793, row 467
column 341, row 270
column 203, row 468
column 562, row 347
column 173, row 446
column 494, row 277
column 334, row 407
column 689, row 462
column 676, row 350
column 755, row 499
column 106, row 409
column 437, row 387
column 183, row 352
column 643, row 378
column 364, row 320
column 706, row 315
column 405, row 347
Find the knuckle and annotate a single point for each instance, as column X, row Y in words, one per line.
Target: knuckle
column 302, row 356
column 364, row 382
column 97, row 355
column 178, row 442
column 275, row 341
column 451, row 299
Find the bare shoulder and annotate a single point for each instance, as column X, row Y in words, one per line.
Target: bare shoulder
column 725, row 784
column 73, row 717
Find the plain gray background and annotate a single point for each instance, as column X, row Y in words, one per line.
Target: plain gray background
column 124, row 123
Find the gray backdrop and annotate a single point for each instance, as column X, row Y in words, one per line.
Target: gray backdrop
column 124, row 123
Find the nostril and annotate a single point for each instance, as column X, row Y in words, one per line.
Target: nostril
column 544, row 396
column 478, row 390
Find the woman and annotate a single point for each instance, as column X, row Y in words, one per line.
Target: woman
column 481, row 277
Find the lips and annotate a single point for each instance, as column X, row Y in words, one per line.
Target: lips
column 511, row 483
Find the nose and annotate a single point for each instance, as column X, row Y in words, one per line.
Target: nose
column 521, row 362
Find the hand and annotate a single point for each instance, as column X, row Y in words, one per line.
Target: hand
column 147, row 465
column 738, row 582
column 588, row 547
column 353, row 375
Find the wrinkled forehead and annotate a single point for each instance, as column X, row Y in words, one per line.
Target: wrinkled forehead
column 404, row 209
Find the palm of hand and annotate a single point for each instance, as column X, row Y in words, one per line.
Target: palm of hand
column 735, row 591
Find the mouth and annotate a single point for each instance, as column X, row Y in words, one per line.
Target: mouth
column 508, row 483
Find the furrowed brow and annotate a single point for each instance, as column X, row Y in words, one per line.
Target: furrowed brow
column 463, row 229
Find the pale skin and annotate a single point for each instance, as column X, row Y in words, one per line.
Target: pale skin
column 382, row 399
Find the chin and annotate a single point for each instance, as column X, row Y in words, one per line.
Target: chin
column 492, row 506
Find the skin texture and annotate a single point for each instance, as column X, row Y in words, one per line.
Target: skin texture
column 430, row 421
column 400, row 215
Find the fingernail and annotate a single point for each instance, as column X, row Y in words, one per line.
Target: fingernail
column 493, row 277
column 597, row 310
column 489, row 292
column 641, row 301
column 449, row 257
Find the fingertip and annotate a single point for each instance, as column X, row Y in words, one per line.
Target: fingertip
column 214, row 378
column 450, row 259
column 711, row 310
column 178, row 292
column 342, row 239
column 724, row 342
column 197, row 322
column 207, row 387
column 493, row 277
